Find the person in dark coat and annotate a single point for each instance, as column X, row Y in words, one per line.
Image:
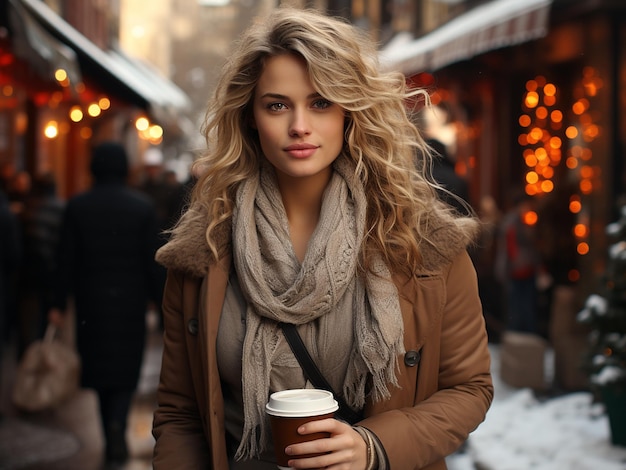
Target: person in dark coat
column 455, row 189
column 10, row 253
column 10, row 256
column 106, row 264
column 40, row 228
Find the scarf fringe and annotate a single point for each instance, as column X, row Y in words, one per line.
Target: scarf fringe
column 252, row 442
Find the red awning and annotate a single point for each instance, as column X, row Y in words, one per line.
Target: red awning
column 142, row 85
column 33, row 44
column 497, row 24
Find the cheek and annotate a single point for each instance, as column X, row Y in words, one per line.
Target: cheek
column 268, row 139
column 335, row 131
column 266, row 133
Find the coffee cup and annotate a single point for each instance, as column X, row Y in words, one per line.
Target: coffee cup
column 290, row 409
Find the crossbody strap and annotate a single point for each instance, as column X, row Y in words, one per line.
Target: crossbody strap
column 313, row 374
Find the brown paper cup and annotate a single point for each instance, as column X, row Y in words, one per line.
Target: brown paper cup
column 290, row 409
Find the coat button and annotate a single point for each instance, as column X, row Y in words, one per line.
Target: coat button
column 412, row 358
column 192, row 326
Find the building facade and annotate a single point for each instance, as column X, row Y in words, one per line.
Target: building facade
column 535, row 94
column 66, row 86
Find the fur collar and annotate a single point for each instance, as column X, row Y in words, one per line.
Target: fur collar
column 188, row 251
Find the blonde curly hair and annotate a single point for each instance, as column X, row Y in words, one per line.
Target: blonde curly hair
column 379, row 135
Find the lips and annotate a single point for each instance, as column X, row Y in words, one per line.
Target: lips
column 302, row 150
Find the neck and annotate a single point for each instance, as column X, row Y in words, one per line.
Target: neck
column 302, row 195
column 302, row 199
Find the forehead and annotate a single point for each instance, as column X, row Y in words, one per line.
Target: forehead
column 284, row 72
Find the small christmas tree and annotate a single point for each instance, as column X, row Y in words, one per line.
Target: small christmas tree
column 606, row 315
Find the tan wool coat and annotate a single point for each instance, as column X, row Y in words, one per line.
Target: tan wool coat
column 445, row 386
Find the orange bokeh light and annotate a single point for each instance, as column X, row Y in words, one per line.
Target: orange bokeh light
column 532, row 99
column 571, row 162
column 547, row 186
column 580, row 230
column 541, row 154
column 536, row 133
column 530, row 217
column 541, row 112
column 555, row 142
column 556, row 115
column 575, row 207
column 586, row 171
column 524, row 120
column 532, row 177
column 585, row 187
column 571, row 132
column 531, row 160
column 578, row 107
column 549, row 100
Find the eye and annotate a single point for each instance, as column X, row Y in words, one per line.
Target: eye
column 322, row 103
column 276, row 106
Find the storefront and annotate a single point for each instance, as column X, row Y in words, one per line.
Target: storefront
column 60, row 94
column 535, row 92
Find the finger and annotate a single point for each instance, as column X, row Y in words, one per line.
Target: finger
column 308, row 454
column 330, row 425
column 326, row 460
column 338, row 443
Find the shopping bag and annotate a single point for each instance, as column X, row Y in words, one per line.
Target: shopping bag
column 47, row 375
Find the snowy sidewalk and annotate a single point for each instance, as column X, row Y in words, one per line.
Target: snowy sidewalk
column 521, row 432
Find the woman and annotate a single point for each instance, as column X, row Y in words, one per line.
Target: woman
column 309, row 211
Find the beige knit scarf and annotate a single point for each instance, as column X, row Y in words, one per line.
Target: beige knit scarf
column 324, row 288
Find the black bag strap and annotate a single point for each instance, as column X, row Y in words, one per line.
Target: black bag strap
column 313, row 374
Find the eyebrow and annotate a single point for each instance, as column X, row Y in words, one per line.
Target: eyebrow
column 278, row 96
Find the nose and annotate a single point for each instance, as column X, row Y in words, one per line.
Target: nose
column 299, row 124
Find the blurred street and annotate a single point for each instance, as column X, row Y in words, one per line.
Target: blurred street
column 70, row 437
column 529, row 105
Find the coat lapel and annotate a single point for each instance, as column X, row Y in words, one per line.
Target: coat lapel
column 212, row 299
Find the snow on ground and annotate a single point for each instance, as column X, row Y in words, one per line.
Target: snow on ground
column 521, row 432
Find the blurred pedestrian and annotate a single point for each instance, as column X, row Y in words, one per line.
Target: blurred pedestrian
column 106, row 265
column 484, row 257
column 453, row 188
column 176, row 192
column 19, row 191
column 10, row 253
column 309, row 216
column 167, row 195
column 518, row 262
column 156, row 187
column 7, row 173
column 40, row 223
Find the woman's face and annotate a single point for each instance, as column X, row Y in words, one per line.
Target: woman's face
column 301, row 133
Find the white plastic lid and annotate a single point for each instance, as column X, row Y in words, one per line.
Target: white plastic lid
column 301, row 402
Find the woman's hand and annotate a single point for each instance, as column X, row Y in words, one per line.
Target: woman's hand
column 345, row 449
